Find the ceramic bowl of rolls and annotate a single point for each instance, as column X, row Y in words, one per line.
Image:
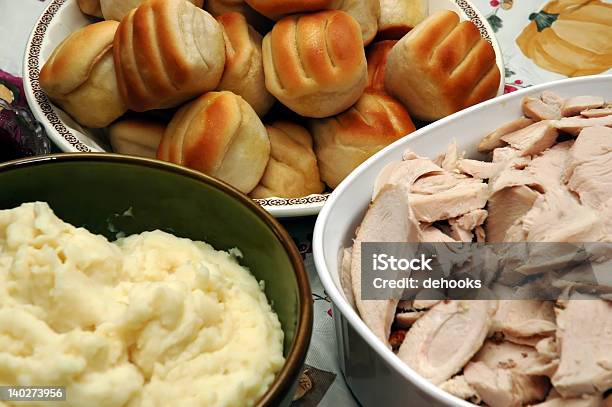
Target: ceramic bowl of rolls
column 281, row 99
column 127, row 281
column 528, row 171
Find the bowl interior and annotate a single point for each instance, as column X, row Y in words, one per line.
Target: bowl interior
column 115, row 195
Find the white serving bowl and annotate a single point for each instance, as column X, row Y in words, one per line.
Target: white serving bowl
column 373, row 372
column 62, row 17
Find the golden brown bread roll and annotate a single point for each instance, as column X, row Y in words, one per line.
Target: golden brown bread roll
column 136, row 137
column 377, row 61
column 441, row 67
column 244, row 73
column 276, row 9
column 397, row 17
column 292, row 171
column 219, row 7
column 166, row 52
column 345, row 141
column 220, row 135
column 91, row 7
column 117, row 9
column 80, row 76
column 315, row 63
column 366, row 13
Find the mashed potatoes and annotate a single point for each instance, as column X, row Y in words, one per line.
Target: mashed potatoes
column 151, row 320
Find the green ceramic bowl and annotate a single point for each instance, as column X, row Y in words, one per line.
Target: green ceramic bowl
column 108, row 194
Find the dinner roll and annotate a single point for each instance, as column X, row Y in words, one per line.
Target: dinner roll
column 276, row 9
column 117, row 9
column 397, row 17
column 220, row 135
column 244, row 73
column 345, row 141
column 219, row 7
column 80, row 76
column 166, row 52
column 377, row 61
column 136, row 137
column 315, row 63
column 91, row 7
column 366, row 13
column 292, row 171
column 441, row 67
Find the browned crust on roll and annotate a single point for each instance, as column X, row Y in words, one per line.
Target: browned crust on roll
column 243, row 72
column 441, row 67
column 315, row 63
column 377, row 56
column 220, row 135
column 159, row 54
column 277, row 8
column 346, row 140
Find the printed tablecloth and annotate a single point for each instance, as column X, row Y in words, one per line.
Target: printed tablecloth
column 541, row 41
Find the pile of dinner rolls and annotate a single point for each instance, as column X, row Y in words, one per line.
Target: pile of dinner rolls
column 276, row 97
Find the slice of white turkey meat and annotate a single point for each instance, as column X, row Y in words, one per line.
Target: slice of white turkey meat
column 388, row 219
column 574, row 125
column 460, row 199
column 552, row 99
column 499, row 387
column 494, row 139
column 586, row 401
column 459, row 387
column 533, row 139
column 574, row 105
column 478, row 169
column 585, row 337
column 441, row 342
column 462, row 227
column 589, row 169
column 606, row 111
column 525, row 321
column 536, row 109
column 505, row 208
column 404, row 172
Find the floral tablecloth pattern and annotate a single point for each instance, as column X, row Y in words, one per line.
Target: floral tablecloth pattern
column 541, row 41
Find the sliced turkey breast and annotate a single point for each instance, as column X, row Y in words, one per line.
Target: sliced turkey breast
column 345, row 276
column 494, row 140
column 533, row 139
column 552, row 99
column 462, row 227
column 574, row 125
column 505, row 208
column 499, row 387
column 454, row 202
column 459, row 387
column 574, row 105
column 606, row 111
column 536, row 109
column 589, row 170
column 388, row 219
column 431, row 347
column 585, row 336
column 524, row 319
column 477, row 169
column 404, row 172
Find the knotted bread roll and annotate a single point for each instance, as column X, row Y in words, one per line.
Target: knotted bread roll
column 397, row 17
column 377, row 56
column 166, row 52
column 117, row 9
column 136, row 137
column 292, row 171
column 80, row 76
column 441, row 67
column 91, row 7
column 220, row 135
column 345, row 141
column 244, row 74
column 315, row 63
